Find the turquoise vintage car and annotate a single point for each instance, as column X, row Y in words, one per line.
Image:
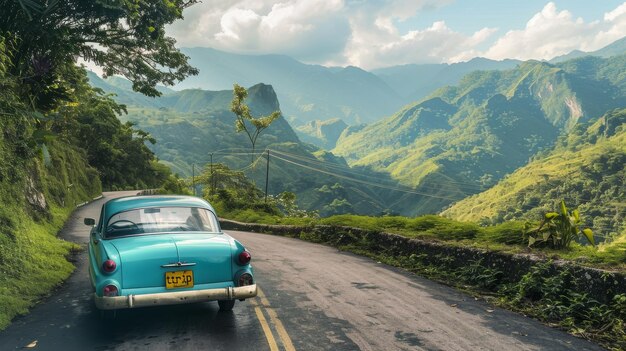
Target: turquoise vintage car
column 165, row 250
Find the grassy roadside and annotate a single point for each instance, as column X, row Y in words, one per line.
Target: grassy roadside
column 38, row 197
column 33, row 264
column 554, row 296
column 506, row 237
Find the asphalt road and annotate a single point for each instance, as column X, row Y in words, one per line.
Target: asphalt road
column 312, row 297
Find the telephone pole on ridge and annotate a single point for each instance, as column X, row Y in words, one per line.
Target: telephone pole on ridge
column 267, row 174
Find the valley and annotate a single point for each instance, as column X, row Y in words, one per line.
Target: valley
column 459, row 141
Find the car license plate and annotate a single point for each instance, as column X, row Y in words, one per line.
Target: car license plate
column 178, row 279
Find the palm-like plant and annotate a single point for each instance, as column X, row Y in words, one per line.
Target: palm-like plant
column 559, row 229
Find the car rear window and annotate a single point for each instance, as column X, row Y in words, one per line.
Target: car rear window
column 161, row 220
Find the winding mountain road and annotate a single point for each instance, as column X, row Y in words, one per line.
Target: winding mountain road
column 312, row 297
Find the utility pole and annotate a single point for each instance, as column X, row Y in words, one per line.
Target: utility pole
column 211, row 170
column 267, row 174
column 193, row 178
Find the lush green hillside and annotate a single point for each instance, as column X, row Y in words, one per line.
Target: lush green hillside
column 464, row 138
column 191, row 124
column 587, row 169
column 458, row 142
column 400, row 130
column 38, row 195
column 306, row 92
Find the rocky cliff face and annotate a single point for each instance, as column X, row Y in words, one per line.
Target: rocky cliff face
column 322, row 133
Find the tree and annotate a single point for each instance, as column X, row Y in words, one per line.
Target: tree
column 125, row 37
column 90, row 121
column 243, row 114
column 221, row 177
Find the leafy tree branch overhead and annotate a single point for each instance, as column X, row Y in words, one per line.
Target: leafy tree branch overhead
column 125, row 37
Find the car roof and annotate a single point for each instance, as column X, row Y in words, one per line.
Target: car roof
column 122, row 204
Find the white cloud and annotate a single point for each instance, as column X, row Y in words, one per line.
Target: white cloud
column 366, row 33
column 319, row 31
column 373, row 47
column 551, row 33
column 615, row 14
column 306, row 29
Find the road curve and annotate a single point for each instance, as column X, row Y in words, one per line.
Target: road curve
column 332, row 300
column 312, row 297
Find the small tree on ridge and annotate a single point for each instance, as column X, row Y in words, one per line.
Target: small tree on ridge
column 242, row 111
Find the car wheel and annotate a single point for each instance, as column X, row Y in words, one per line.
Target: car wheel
column 226, row 305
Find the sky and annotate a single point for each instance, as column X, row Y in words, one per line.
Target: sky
column 381, row 33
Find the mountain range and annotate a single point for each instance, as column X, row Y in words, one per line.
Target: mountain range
column 306, row 92
column 616, row 48
column 457, row 143
column 194, row 127
column 414, row 82
column 313, row 92
column 463, row 139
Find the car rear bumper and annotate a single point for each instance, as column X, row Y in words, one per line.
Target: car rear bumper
column 175, row 298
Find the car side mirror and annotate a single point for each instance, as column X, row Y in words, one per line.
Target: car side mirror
column 90, row 221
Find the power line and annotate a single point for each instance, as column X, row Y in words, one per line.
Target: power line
column 232, row 149
column 352, row 171
column 472, row 187
column 349, row 170
column 365, row 182
column 237, row 153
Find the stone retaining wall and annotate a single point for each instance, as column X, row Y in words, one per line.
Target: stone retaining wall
column 599, row 284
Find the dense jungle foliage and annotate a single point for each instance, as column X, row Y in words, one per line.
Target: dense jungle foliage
column 61, row 141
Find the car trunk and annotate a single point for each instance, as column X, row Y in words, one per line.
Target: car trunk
column 142, row 258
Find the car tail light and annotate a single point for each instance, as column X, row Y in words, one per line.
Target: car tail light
column 244, row 258
column 108, row 266
column 110, row 290
column 245, row 279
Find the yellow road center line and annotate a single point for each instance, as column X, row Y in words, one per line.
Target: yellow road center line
column 282, row 332
column 264, row 301
column 266, row 329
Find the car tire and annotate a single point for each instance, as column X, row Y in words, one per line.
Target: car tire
column 226, row 305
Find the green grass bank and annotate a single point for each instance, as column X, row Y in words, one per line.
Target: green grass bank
column 39, row 193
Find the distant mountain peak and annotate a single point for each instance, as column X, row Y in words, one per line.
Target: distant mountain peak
column 266, row 93
column 306, row 92
column 353, row 68
column 616, row 48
